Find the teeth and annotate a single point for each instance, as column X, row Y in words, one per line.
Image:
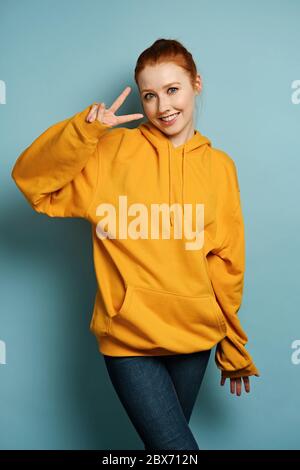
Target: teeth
column 169, row 118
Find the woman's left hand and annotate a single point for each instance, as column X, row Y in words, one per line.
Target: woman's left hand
column 236, row 384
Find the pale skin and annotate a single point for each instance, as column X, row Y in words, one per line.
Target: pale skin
column 161, row 103
column 165, row 89
column 107, row 116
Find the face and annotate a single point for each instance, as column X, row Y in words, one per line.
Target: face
column 166, row 89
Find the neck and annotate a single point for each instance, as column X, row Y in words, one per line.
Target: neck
column 183, row 136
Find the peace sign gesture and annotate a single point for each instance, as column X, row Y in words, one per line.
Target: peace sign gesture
column 107, row 116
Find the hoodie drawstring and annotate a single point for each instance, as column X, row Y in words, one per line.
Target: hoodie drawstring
column 161, row 144
column 183, row 177
column 170, row 183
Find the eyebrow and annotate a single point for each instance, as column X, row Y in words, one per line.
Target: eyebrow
column 168, row 84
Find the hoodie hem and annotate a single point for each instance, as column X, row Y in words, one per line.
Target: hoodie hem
column 108, row 346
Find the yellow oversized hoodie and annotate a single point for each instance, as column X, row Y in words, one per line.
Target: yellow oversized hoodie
column 161, row 291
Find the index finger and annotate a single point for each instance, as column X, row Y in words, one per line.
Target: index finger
column 128, row 117
column 120, row 100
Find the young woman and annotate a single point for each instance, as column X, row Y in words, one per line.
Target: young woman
column 168, row 241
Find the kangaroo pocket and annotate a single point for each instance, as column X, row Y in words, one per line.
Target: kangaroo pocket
column 151, row 319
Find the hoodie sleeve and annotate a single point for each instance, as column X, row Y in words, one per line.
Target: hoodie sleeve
column 58, row 172
column 226, row 264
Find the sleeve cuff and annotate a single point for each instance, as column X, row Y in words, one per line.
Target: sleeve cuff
column 90, row 129
column 246, row 371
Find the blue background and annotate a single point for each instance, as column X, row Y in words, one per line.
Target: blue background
column 57, row 57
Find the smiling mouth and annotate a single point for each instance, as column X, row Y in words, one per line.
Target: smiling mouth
column 170, row 117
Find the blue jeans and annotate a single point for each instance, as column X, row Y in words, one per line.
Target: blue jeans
column 158, row 394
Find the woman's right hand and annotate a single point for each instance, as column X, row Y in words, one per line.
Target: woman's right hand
column 107, row 116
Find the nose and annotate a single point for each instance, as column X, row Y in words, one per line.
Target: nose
column 163, row 106
column 163, row 110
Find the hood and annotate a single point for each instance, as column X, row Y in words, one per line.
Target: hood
column 163, row 144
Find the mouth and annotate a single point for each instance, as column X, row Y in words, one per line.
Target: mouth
column 170, row 119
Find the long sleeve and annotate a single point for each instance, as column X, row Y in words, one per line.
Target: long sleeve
column 226, row 263
column 58, row 172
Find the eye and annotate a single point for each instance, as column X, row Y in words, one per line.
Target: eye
column 171, row 88
column 145, row 96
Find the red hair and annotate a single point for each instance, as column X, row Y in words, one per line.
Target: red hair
column 167, row 50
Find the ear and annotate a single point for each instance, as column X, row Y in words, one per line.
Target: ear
column 198, row 84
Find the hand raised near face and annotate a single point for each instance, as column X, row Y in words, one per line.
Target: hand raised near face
column 107, row 115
